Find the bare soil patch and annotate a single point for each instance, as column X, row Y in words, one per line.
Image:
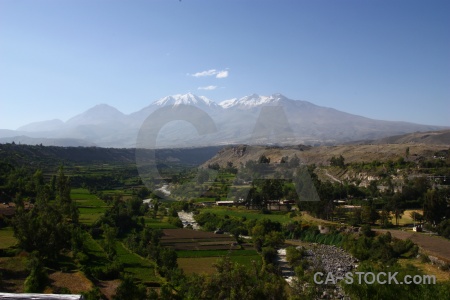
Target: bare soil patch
column 108, row 287
column 188, row 239
column 190, row 234
column 76, row 282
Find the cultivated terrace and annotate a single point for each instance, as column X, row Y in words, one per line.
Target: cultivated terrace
column 83, row 221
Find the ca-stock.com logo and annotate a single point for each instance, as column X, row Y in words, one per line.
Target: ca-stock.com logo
column 169, row 122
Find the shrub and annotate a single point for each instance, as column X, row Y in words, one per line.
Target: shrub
column 424, row 258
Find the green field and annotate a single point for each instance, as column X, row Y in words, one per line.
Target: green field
column 406, row 218
column 158, row 224
column 202, row 261
column 95, row 252
column 91, row 208
column 7, row 238
column 249, row 214
column 140, row 268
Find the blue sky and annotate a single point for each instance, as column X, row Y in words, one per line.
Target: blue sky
column 386, row 60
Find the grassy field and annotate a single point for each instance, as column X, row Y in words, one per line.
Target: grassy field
column 140, row 268
column 7, row 238
column 202, row 261
column 14, row 272
column 310, row 219
column 249, row 214
column 427, row 268
column 91, row 208
column 95, row 252
column 158, row 223
column 199, row 265
column 406, row 218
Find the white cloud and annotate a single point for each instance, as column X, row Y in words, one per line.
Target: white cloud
column 205, row 73
column 208, row 88
column 211, row 72
column 222, row 74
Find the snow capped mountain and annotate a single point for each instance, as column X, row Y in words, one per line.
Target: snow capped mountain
column 229, row 103
column 186, row 99
column 253, row 101
column 235, row 120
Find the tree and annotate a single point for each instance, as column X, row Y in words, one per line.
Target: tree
column 269, row 255
column 143, row 193
column 444, row 228
column 337, row 161
column 416, row 216
column 167, row 261
column 435, row 207
column 235, row 282
column 373, row 188
column 156, row 204
column 36, row 281
column 129, row 290
column 43, row 228
column 385, row 217
column 109, row 243
column 263, row 159
column 68, row 208
column 396, row 206
column 369, row 214
column 293, row 256
column 274, row 239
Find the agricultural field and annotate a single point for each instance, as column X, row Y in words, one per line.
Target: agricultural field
column 202, row 261
column 90, row 206
column 241, row 212
column 7, row 238
column 197, row 251
column 14, row 272
column 137, row 266
column 158, row 223
column 188, row 239
column 96, row 255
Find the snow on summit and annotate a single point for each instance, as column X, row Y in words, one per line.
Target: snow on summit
column 252, row 101
column 186, row 99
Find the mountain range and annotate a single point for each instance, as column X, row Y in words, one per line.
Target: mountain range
column 252, row 119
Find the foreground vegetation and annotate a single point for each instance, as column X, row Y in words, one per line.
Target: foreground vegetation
column 89, row 220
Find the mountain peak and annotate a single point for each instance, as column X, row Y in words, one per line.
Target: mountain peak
column 100, row 113
column 253, row 100
column 186, row 99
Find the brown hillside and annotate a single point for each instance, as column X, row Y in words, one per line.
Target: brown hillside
column 321, row 155
column 430, row 137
